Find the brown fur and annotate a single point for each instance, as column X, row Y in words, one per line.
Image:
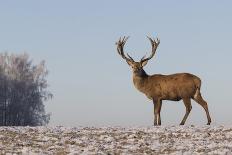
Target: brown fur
column 159, row 87
column 168, row 87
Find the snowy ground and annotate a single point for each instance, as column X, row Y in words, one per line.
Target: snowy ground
column 116, row 140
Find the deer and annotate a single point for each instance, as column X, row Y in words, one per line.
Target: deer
column 158, row 87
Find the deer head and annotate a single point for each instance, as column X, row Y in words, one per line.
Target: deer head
column 137, row 67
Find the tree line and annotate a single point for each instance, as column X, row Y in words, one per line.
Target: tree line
column 23, row 90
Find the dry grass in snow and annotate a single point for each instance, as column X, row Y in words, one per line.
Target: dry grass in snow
column 116, row 140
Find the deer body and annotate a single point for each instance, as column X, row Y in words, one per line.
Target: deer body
column 157, row 87
column 172, row 87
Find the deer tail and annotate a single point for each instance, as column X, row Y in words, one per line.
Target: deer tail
column 197, row 82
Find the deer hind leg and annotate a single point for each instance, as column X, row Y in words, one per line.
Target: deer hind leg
column 157, row 109
column 198, row 98
column 188, row 106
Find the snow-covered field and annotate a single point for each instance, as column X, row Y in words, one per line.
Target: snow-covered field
column 116, row 140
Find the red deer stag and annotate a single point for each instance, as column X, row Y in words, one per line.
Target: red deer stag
column 159, row 87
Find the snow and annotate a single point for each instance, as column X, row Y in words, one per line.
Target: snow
column 116, row 140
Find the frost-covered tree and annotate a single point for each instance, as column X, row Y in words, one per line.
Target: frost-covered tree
column 23, row 90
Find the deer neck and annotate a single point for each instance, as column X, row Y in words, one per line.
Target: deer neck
column 140, row 79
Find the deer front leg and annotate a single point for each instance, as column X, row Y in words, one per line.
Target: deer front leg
column 155, row 117
column 159, row 105
column 157, row 108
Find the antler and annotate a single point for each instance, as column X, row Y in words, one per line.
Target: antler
column 120, row 45
column 154, row 44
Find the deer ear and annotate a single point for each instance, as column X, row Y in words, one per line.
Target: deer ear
column 144, row 63
column 129, row 63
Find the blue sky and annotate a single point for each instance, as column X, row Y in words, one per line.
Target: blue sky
column 92, row 85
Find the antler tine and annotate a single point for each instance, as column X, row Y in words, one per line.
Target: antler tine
column 154, row 44
column 130, row 57
column 120, row 45
column 151, row 40
column 142, row 58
